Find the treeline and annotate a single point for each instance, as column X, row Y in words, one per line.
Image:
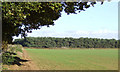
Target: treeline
column 51, row 42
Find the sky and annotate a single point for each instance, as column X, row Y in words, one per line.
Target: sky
column 100, row 21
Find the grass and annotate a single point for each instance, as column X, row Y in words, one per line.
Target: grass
column 75, row 59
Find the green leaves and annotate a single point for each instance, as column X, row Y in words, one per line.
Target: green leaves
column 33, row 15
column 51, row 42
column 87, row 6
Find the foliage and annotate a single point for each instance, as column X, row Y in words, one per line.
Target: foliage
column 4, row 68
column 9, row 55
column 4, row 46
column 10, row 58
column 19, row 48
column 51, row 42
column 14, row 48
column 21, row 17
column 7, row 58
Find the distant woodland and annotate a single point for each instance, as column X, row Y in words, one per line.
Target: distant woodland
column 52, row 42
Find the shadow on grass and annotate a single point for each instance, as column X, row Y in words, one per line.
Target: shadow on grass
column 10, row 58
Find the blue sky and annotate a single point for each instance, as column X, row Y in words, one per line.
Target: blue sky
column 100, row 21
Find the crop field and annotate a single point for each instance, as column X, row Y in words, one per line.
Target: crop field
column 75, row 59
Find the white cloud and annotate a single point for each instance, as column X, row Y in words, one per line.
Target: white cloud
column 76, row 34
column 46, row 32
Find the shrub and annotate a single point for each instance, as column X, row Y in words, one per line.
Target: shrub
column 19, row 48
column 7, row 58
column 15, row 48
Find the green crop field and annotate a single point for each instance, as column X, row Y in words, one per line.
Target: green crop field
column 75, row 59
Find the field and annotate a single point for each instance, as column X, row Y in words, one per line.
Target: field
column 75, row 59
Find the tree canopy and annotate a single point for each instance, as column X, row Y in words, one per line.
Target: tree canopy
column 52, row 42
column 22, row 17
